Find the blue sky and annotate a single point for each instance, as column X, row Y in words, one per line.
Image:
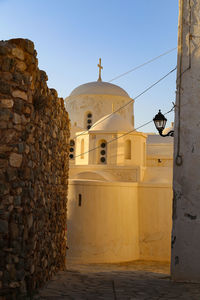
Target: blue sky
column 71, row 35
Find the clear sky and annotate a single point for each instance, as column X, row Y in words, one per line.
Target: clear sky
column 71, row 35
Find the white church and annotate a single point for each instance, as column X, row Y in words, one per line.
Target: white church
column 120, row 180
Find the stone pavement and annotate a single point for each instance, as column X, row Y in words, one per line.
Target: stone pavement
column 133, row 280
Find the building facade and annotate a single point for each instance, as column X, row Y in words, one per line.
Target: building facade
column 120, row 187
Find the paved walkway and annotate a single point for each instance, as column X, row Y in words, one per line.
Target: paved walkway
column 135, row 280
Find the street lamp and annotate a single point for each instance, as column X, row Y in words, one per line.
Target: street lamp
column 160, row 122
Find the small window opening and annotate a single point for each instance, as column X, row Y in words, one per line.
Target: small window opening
column 102, row 152
column 79, row 200
column 88, row 120
column 71, row 149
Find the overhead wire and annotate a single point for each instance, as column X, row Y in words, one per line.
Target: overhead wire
column 144, row 64
column 124, row 134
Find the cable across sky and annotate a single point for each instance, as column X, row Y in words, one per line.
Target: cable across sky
column 144, row 64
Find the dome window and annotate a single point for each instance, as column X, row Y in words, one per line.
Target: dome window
column 88, row 120
column 72, row 143
column 103, row 152
column 71, row 149
column 103, row 160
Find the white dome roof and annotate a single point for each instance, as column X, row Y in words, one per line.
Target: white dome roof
column 99, row 88
column 112, row 123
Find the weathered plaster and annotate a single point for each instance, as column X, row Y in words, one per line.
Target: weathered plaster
column 185, row 262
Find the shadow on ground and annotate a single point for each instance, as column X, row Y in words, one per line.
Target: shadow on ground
column 132, row 280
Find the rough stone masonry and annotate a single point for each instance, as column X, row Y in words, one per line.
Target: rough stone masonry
column 34, row 132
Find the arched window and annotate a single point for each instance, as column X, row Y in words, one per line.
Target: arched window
column 71, row 149
column 88, row 120
column 82, row 148
column 127, row 149
column 103, row 152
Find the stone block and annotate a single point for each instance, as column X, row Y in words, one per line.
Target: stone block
column 14, row 284
column 21, row 147
column 18, row 127
column 7, row 103
column 16, row 118
column 24, row 44
column 4, row 50
column 5, row 114
column 21, row 66
column 25, row 120
column 9, row 136
column 3, row 226
column 17, row 200
column 15, row 160
column 18, row 77
column 14, row 231
column 29, row 47
column 11, row 173
column 5, row 88
column 27, row 110
column 17, row 52
column 30, row 220
column 20, row 275
column 3, row 163
column 20, row 94
column 3, row 125
column 6, row 76
column 7, row 64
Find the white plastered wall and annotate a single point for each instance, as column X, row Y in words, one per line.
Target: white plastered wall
column 118, row 221
column 155, row 221
column 105, row 227
column 98, row 105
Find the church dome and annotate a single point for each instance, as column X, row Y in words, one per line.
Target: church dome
column 112, row 123
column 99, row 88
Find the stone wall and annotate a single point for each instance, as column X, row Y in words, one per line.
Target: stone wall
column 33, row 173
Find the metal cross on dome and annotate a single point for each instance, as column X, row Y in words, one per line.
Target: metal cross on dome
column 100, row 68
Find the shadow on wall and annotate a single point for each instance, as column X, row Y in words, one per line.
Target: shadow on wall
column 102, row 176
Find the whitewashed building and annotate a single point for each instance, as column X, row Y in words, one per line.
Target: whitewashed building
column 120, row 186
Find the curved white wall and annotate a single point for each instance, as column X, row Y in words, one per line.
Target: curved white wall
column 118, row 221
column 105, row 227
